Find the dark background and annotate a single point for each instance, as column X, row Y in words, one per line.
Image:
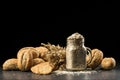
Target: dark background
column 31, row 25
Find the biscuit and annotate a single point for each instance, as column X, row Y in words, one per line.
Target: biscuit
column 42, row 68
column 25, row 58
column 10, row 64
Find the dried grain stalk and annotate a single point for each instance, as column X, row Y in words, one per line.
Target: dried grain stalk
column 55, row 55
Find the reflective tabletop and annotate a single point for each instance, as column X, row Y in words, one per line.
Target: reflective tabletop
column 113, row 74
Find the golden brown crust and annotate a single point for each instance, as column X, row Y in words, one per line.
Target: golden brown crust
column 108, row 63
column 42, row 68
column 29, row 50
column 42, row 50
column 25, row 58
column 97, row 56
column 37, row 61
column 10, row 64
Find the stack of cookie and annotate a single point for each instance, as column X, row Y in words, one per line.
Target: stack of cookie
column 39, row 60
